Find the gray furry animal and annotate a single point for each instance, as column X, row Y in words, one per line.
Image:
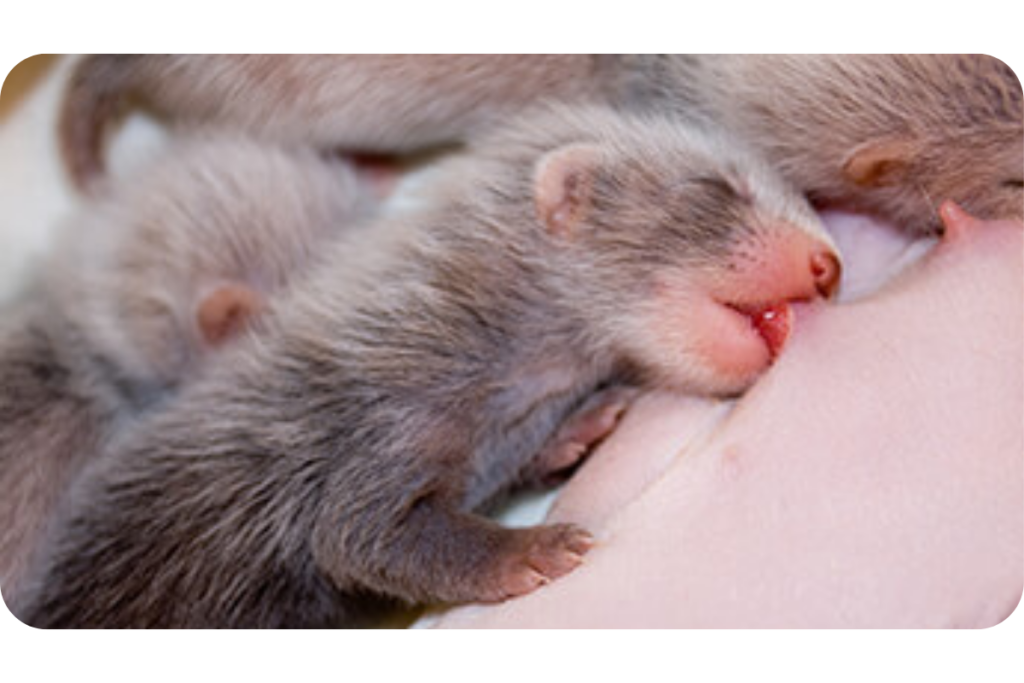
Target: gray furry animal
column 344, row 453
column 889, row 134
column 138, row 300
column 354, row 102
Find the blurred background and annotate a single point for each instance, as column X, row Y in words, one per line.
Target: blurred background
column 33, row 191
column 35, row 194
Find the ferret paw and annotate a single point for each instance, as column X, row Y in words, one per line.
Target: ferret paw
column 538, row 556
column 578, row 436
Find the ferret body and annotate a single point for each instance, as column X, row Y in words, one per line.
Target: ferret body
column 894, row 135
column 350, row 102
column 344, row 454
column 166, row 271
column 889, row 134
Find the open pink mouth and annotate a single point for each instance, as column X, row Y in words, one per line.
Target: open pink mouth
column 773, row 322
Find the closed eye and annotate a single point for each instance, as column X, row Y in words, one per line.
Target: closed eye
column 718, row 185
column 724, row 191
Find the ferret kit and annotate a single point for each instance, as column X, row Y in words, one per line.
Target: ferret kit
column 278, row 403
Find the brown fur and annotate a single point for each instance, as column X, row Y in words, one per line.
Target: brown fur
column 889, row 134
column 343, row 453
column 114, row 325
column 355, row 102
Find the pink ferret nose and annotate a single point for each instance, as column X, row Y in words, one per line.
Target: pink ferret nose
column 826, row 271
column 788, row 265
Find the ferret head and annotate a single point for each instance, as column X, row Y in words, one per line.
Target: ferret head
column 964, row 142
column 164, row 271
column 689, row 241
column 910, row 176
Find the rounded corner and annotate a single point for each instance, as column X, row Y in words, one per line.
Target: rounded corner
column 1005, row 65
column 13, row 613
column 1002, row 620
column 13, row 619
column 14, row 66
column 1008, row 620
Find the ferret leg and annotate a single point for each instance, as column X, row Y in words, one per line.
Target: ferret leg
column 439, row 554
column 577, row 437
column 470, row 558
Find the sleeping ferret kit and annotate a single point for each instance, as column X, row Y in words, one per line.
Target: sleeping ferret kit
column 444, row 280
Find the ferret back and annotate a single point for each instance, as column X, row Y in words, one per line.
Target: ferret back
column 131, row 272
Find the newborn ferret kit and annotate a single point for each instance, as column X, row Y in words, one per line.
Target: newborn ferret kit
column 288, row 397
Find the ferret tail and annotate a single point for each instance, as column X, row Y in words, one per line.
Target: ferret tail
column 94, row 96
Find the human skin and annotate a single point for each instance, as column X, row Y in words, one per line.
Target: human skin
column 873, row 478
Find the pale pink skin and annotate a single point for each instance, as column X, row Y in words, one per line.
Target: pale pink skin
column 874, row 477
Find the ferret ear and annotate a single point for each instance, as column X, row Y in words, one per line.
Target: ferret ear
column 880, row 163
column 226, row 311
column 563, row 185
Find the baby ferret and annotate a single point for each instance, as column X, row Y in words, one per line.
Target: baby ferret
column 351, row 102
column 156, row 276
column 890, row 134
column 343, row 454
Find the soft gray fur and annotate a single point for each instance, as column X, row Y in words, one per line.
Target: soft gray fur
column 109, row 328
column 894, row 135
column 341, row 454
column 370, row 103
column 891, row 134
